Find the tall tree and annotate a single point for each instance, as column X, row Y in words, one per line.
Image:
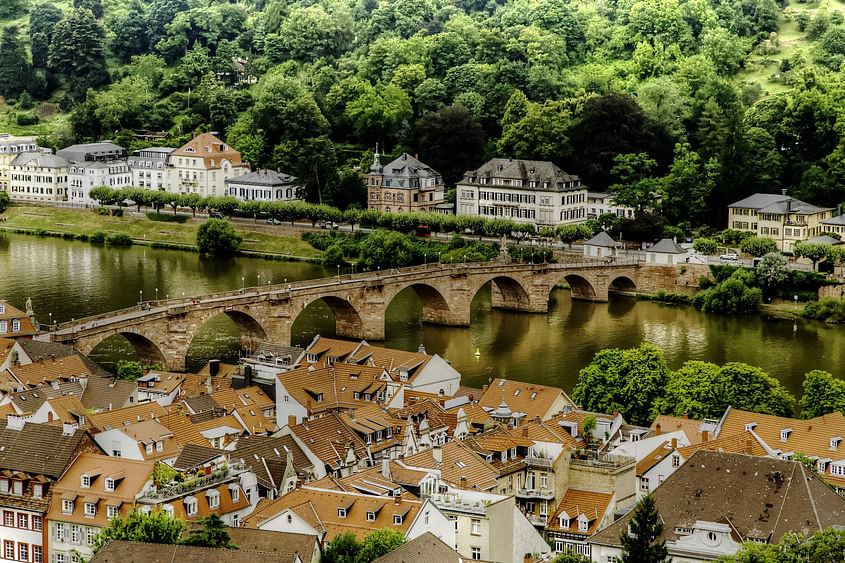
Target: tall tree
column 639, row 541
column 42, row 20
column 76, row 52
column 14, row 69
column 96, row 6
column 211, row 533
column 451, row 141
column 130, row 33
column 154, row 527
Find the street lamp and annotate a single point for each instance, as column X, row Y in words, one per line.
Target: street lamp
column 259, row 280
column 156, row 294
column 141, row 295
column 425, row 259
column 338, row 271
column 243, row 282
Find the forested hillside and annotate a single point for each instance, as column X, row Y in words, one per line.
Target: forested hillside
column 702, row 100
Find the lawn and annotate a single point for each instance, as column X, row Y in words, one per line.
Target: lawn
column 78, row 221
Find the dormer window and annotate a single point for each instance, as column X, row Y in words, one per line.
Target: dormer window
column 4, row 485
column 311, row 357
column 513, row 452
column 90, row 509
column 109, row 484
column 236, row 494
column 341, row 512
column 67, row 506
column 160, row 446
column 357, row 395
column 85, row 481
column 505, row 455
column 371, row 516
column 191, row 506
column 148, row 448
column 564, row 520
column 583, row 523
column 834, row 442
column 37, row 490
column 213, row 499
column 750, row 426
column 784, row 434
column 378, row 436
column 319, row 397
column 397, row 519
column 367, row 396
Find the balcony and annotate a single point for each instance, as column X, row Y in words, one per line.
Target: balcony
column 176, row 489
column 542, row 494
column 537, row 520
column 538, row 462
column 457, row 504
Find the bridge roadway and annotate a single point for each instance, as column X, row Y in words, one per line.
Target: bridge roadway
column 161, row 331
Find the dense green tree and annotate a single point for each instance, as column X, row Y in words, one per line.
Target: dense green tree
column 380, row 113
column 640, row 539
column 378, row 543
column 129, row 371
column 12, row 8
column 822, row 547
column 625, row 380
column 823, row 394
column 635, row 186
column 159, row 14
column 772, row 271
column 309, row 33
column 451, row 141
column 758, row 246
column 686, row 189
column 542, row 134
column 217, row 237
column 129, row 33
column 733, row 295
column 14, row 68
column 313, row 161
column 706, row 246
column 4, row 200
column 95, row 6
column 156, row 526
column 76, row 52
column 212, row 532
column 814, row 252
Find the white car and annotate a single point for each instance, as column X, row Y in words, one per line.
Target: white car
column 730, row 256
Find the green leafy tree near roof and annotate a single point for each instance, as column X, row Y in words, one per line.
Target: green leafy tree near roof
column 212, row 532
column 217, row 237
column 823, row 394
column 639, row 540
column 378, row 543
column 154, row 527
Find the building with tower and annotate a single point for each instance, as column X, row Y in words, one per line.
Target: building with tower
column 405, row 184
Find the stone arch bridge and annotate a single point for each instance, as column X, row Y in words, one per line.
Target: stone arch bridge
column 162, row 331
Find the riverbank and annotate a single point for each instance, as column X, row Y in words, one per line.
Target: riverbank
column 82, row 223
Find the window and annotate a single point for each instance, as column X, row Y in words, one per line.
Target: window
column 476, row 527
column 9, row 518
column 214, row 501
column 23, row 551
column 371, row 516
column 397, row 519
column 544, row 480
column 191, row 507
column 112, row 511
column 37, row 490
column 544, row 508
column 60, row 532
column 90, row 535
column 583, row 524
column 676, row 461
column 160, row 446
column 109, row 484
column 16, row 325
column 513, row 453
column 36, row 523
column 9, row 549
column 86, row 481
column 341, row 513
column 644, row 483
column 4, row 485
column 90, row 509
column 75, row 534
column 17, row 488
column 67, row 506
column 37, row 556
column 236, row 494
column 476, row 553
column 60, row 558
column 23, row 520
column 149, row 448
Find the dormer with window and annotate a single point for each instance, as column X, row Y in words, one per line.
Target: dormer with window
column 750, row 426
column 191, row 506
column 564, row 520
column 513, row 452
column 398, row 519
column 834, row 442
column 235, row 491
column 784, row 434
column 311, row 358
column 90, row 509
column 504, row 455
column 583, row 523
column 371, row 516
column 109, row 484
column 213, row 497
column 67, row 506
column 341, row 512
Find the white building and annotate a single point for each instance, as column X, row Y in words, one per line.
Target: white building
column 601, row 246
column 10, row 147
column 526, row 191
column 599, row 203
column 36, row 176
column 263, row 185
column 666, row 251
column 202, row 166
column 148, row 167
column 489, row 527
column 83, row 176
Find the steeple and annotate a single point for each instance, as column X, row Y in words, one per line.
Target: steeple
column 376, row 168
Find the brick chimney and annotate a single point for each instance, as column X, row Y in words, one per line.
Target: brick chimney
column 525, row 431
column 674, row 443
column 437, row 454
column 705, row 436
column 657, row 429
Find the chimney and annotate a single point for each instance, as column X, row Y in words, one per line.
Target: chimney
column 308, row 407
column 783, row 191
column 657, row 429
column 525, row 431
column 291, row 420
column 208, row 388
column 484, row 389
column 463, row 482
column 674, row 443
column 385, row 468
column 248, row 375
column 14, row 422
column 213, row 367
column 69, row 428
column 705, row 436
column 421, row 349
column 83, row 381
column 437, row 454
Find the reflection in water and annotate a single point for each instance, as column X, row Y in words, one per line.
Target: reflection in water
column 73, row 279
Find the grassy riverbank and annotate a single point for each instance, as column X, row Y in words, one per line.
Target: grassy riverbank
column 84, row 223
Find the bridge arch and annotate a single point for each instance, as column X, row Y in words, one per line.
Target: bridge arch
column 435, row 307
column 149, row 352
column 348, row 321
column 507, row 293
column 622, row 284
column 581, row 287
column 250, row 329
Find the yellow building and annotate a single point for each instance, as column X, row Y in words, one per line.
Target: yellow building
column 779, row 217
column 10, row 147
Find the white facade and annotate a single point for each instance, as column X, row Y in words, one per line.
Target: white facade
column 68, row 539
column 704, row 542
column 599, row 203
column 10, row 147
column 83, row 176
column 35, row 176
column 202, row 167
column 263, row 185
column 22, row 536
column 437, row 376
column 148, row 167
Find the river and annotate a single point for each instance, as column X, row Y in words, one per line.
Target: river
column 70, row 279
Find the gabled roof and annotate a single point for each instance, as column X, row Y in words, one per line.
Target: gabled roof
column 743, row 443
column 426, row 548
column 540, row 171
column 762, row 498
column 328, row 387
column 133, row 552
column 825, row 240
column 30, row 400
column 325, row 504
column 107, row 393
column 655, row 456
column 666, row 246
column 529, row 398
column 327, row 437
column 406, row 167
column 211, row 149
column 776, row 204
column 837, row 220
column 694, row 429
column 193, row 455
column 50, row 370
column 38, row 449
column 576, row 502
column 460, row 466
column 40, row 160
column 263, row 177
column 602, row 239
column 128, row 415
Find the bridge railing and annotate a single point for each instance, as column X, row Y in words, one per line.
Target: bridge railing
column 378, row 275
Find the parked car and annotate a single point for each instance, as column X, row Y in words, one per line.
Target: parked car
column 272, row 221
column 729, row 256
column 329, row 225
column 216, row 215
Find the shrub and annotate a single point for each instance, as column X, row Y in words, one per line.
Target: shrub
column 117, row 212
column 98, row 237
column 119, row 239
column 733, row 295
column 166, row 217
column 26, row 119
column 704, row 282
column 706, row 246
column 758, row 246
column 217, row 237
column 103, row 211
column 730, row 236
